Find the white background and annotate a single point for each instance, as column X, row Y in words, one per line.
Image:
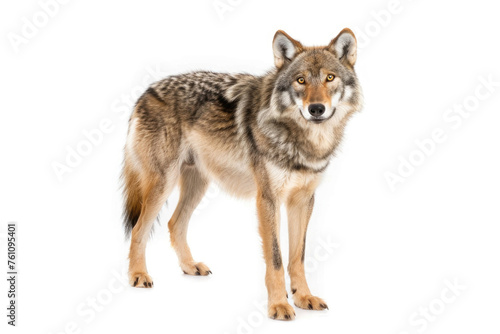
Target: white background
column 376, row 255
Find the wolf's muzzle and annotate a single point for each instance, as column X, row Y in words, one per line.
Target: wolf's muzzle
column 318, row 117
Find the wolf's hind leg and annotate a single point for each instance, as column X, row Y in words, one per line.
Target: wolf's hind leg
column 155, row 192
column 193, row 187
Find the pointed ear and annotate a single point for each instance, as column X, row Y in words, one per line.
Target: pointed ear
column 285, row 48
column 345, row 47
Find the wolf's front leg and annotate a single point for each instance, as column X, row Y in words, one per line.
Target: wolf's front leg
column 299, row 208
column 269, row 219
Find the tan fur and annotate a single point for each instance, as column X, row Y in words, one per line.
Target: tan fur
column 316, row 94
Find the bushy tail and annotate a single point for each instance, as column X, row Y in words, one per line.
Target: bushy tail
column 132, row 199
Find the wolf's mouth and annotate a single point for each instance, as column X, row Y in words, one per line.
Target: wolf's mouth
column 318, row 120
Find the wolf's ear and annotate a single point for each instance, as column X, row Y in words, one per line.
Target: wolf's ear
column 344, row 46
column 285, row 48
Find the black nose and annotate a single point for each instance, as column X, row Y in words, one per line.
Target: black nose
column 316, row 109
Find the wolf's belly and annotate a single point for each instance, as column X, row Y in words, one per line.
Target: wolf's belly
column 233, row 176
column 224, row 163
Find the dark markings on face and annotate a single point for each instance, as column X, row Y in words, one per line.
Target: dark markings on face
column 282, row 104
column 310, row 63
column 342, row 92
column 349, row 81
column 283, row 86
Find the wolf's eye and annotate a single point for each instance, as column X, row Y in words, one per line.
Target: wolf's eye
column 330, row 77
column 301, row 80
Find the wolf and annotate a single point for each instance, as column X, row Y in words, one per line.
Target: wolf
column 267, row 137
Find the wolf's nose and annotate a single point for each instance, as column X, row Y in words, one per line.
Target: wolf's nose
column 316, row 109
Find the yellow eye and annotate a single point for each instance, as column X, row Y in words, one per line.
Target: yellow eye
column 330, row 77
column 301, row 80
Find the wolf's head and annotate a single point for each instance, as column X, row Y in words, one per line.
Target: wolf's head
column 320, row 82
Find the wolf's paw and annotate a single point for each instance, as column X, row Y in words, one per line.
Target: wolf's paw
column 141, row 280
column 196, row 269
column 309, row 302
column 281, row 311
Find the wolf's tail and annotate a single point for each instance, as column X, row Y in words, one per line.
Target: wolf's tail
column 133, row 199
